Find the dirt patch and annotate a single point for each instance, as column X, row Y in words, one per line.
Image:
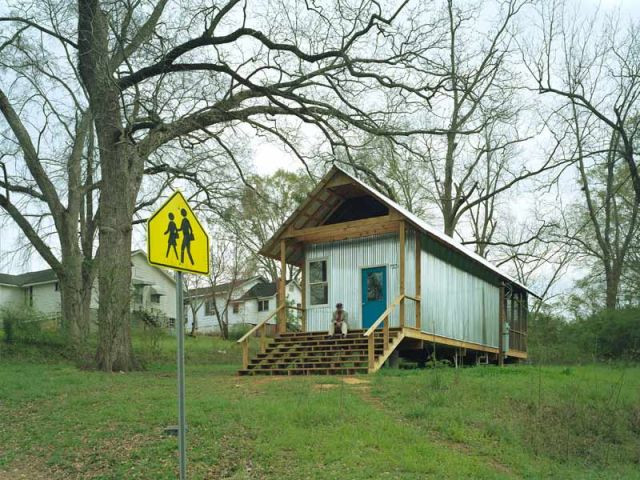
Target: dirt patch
column 26, row 469
column 325, row 386
column 355, row 381
column 261, row 380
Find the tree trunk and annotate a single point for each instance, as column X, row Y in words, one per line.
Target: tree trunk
column 75, row 300
column 612, row 278
column 194, row 323
column 121, row 172
column 74, row 289
column 115, row 350
column 447, row 200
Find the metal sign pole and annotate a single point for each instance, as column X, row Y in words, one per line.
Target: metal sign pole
column 182, row 440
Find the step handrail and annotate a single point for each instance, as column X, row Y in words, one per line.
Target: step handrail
column 260, row 324
column 385, row 314
column 263, row 337
column 385, row 320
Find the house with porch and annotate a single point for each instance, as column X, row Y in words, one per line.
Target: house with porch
column 153, row 290
column 246, row 301
column 409, row 289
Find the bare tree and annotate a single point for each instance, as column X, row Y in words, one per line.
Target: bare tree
column 49, row 164
column 598, row 107
column 261, row 209
column 475, row 157
column 151, row 74
column 592, row 63
column 226, row 269
column 194, row 286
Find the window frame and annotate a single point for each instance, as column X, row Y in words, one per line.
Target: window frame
column 209, row 312
column 265, row 303
column 308, row 282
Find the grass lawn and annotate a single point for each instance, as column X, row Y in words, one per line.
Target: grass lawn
column 58, row 422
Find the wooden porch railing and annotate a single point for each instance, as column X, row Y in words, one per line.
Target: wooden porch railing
column 370, row 334
column 262, row 326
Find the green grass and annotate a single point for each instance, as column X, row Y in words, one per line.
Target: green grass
column 59, row 422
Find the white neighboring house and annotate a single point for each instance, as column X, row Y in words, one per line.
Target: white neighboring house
column 153, row 289
column 252, row 300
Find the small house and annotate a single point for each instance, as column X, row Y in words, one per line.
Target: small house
column 245, row 301
column 407, row 288
column 152, row 290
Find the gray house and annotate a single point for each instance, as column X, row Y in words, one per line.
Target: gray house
column 399, row 279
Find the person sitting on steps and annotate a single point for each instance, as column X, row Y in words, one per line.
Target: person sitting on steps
column 338, row 322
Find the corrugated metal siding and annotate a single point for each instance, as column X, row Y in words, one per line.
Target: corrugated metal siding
column 410, row 277
column 456, row 304
column 345, row 261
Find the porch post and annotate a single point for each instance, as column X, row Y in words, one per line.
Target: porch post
column 402, row 269
column 501, row 315
column 282, row 298
column 418, row 282
column 303, row 299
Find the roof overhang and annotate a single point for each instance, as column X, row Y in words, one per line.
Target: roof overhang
column 305, row 224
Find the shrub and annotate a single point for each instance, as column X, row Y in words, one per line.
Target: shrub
column 21, row 324
column 606, row 335
column 237, row 331
column 7, row 327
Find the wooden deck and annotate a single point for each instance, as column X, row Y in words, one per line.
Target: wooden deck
column 308, row 353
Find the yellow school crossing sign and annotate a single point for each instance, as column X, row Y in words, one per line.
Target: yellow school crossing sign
column 176, row 239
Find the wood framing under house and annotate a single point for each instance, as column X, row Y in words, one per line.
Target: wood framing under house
column 402, row 282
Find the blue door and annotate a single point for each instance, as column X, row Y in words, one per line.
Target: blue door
column 374, row 294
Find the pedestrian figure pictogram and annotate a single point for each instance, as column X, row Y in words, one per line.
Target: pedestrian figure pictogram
column 187, row 236
column 172, row 230
column 172, row 223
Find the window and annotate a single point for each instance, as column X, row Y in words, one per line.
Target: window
column 263, row 305
column 374, row 286
column 137, row 294
column 57, row 286
column 155, row 298
column 236, row 308
column 30, row 299
column 209, row 307
column 318, row 285
column 171, row 323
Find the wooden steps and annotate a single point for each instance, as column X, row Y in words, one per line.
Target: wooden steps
column 314, row 353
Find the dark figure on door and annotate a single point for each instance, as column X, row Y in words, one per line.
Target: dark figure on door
column 172, row 231
column 187, row 237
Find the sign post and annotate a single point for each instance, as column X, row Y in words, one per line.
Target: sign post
column 182, row 419
column 163, row 237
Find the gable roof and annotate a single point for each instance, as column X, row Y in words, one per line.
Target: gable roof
column 261, row 290
column 29, row 278
column 49, row 276
column 327, row 201
column 224, row 287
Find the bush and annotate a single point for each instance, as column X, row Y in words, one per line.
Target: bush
column 21, row 325
column 237, row 331
column 7, row 327
column 611, row 334
column 606, row 335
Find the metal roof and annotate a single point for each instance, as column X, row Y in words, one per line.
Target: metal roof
column 418, row 223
